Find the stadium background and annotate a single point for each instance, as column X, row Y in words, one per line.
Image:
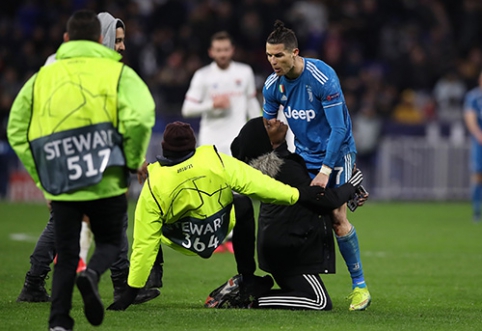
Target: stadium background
column 404, row 66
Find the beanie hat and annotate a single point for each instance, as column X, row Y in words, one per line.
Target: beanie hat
column 252, row 141
column 178, row 137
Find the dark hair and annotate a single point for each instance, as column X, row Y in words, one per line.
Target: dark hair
column 83, row 25
column 221, row 35
column 282, row 35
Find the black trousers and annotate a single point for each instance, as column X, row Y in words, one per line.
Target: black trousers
column 305, row 291
column 244, row 235
column 106, row 221
column 44, row 251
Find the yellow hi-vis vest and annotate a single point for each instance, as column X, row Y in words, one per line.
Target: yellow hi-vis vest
column 73, row 129
column 195, row 200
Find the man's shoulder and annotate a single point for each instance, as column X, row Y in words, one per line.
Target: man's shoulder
column 270, row 82
column 319, row 70
column 203, row 71
column 476, row 92
column 241, row 66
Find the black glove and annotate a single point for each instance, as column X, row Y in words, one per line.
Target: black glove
column 309, row 195
column 125, row 300
column 356, row 178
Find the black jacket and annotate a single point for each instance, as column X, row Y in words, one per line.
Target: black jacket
column 293, row 239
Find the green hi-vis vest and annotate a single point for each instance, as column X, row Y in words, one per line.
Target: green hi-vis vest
column 196, row 201
column 73, row 129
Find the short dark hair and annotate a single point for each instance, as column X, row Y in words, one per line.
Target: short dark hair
column 221, row 35
column 283, row 35
column 83, row 25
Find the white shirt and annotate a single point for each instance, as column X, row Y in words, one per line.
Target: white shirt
column 219, row 127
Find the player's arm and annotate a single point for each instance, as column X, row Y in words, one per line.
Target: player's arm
column 18, row 124
column 136, row 117
column 333, row 105
column 196, row 101
column 471, row 121
column 271, row 105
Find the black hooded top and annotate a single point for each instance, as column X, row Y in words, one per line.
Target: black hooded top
column 291, row 239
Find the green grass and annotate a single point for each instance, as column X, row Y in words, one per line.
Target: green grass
column 422, row 262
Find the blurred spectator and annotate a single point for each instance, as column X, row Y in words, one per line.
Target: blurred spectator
column 449, row 92
column 407, row 110
column 367, row 128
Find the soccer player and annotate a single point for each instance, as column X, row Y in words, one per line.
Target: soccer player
column 113, row 34
column 223, row 93
column 473, row 121
column 312, row 100
column 79, row 156
column 187, row 203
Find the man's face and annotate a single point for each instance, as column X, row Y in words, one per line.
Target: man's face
column 119, row 40
column 221, row 52
column 281, row 59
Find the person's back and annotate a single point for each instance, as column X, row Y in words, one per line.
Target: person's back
column 89, row 121
column 295, row 243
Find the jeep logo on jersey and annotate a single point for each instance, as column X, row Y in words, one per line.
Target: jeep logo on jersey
column 307, row 115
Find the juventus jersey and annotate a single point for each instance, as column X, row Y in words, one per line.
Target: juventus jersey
column 316, row 112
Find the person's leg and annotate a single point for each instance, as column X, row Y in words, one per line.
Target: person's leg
column 476, row 181
column 120, row 271
column 106, row 221
column 40, row 260
column 86, row 238
column 155, row 277
column 67, row 223
column 120, row 268
column 244, row 236
column 305, row 291
column 347, row 238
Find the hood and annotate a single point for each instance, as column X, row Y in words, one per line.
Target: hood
column 108, row 25
column 269, row 164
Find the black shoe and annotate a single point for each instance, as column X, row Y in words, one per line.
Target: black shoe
column 34, row 289
column 155, row 277
column 93, row 308
column 226, row 295
column 146, row 294
column 119, row 281
column 254, row 287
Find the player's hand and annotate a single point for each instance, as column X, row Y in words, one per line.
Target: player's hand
column 49, row 205
column 276, row 131
column 142, row 173
column 363, row 198
column 320, row 180
column 221, row 102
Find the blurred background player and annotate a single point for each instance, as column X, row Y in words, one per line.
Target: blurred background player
column 314, row 106
column 473, row 121
column 113, row 33
column 223, row 94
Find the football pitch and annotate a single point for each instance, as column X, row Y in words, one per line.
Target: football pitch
column 422, row 263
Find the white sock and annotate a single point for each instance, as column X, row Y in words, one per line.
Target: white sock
column 86, row 237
